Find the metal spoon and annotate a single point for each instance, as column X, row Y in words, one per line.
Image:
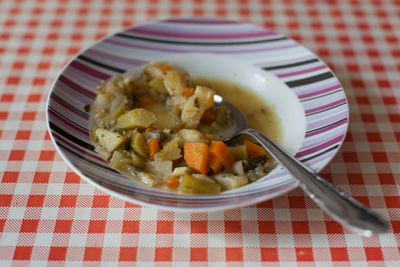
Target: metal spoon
column 335, row 202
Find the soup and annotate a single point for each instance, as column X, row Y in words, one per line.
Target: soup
column 162, row 129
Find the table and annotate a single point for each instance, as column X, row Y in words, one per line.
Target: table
column 49, row 216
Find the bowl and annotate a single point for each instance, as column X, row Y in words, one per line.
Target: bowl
column 307, row 97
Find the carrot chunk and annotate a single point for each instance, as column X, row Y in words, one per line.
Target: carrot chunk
column 147, row 101
column 153, row 147
column 173, row 182
column 196, row 156
column 214, row 164
column 220, row 154
column 254, row 150
column 188, row 92
column 208, row 117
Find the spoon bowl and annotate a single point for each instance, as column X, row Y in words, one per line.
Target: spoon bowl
column 335, row 202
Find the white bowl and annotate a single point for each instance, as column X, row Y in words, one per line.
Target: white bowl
column 307, row 98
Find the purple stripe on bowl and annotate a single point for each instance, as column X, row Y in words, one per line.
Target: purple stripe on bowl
column 300, row 66
column 320, row 147
column 325, row 107
column 88, row 70
column 97, row 54
column 68, row 106
column 85, row 79
column 277, row 63
column 326, row 121
column 68, row 124
column 78, row 87
column 187, row 34
column 283, row 75
column 319, row 92
column 201, row 21
column 82, row 151
column 323, row 99
column 312, row 142
column 64, row 89
column 321, row 160
column 85, row 165
column 327, row 128
column 191, row 49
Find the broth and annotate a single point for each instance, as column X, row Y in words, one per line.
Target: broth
column 260, row 115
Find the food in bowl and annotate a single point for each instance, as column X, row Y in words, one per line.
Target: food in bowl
column 162, row 129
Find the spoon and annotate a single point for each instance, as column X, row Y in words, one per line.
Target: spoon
column 335, row 202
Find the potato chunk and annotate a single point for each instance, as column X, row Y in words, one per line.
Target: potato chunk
column 136, row 118
column 103, row 99
column 238, row 168
column 175, row 81
column 147, row 179
column 138, row 144
column 191, row 136
column 180, row 171
column 229, row 181
column 154, row 72
column 195, row 106
column 192, row 185
column 158, row 85
column 109, row 140
column 121, row 159
column 240, row 152
column 170, row 151
column 158, row 169
column 205, row 97
column 118, row 106
column 137, row 161
column 191, row 113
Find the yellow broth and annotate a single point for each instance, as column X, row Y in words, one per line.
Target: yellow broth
column 165, row 120
column 260, row 115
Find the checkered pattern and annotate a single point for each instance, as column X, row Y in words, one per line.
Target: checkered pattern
column 48, row 215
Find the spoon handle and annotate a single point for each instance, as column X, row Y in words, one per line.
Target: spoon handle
column 335, row 202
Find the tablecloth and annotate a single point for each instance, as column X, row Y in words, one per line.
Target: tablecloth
column 50, row 216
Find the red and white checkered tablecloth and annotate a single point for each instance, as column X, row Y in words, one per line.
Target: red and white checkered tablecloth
column 49, row 216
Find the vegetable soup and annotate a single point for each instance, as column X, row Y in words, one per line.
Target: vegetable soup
column 162, row 128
